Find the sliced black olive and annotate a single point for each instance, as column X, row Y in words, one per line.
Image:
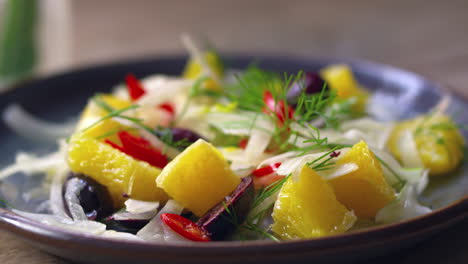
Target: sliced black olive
column 179, row 134
column 219, row 222
column 92, row 196
column 312, row 83
column 128, row 225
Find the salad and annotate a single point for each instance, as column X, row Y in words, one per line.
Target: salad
column 222, row 154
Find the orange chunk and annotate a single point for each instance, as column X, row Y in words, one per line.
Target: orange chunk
column 341, row 79
column 365, row 190
column 438, row 141
column 120, row 173
column 308, row 208
column 94, row 112
column 198, row 178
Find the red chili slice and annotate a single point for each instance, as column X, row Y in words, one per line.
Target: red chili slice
column 168, row 107
column 114, row 145
column 279, row 108
column 264, row 171
column 185, row 227
column 139, row 149
column 135, row 89
column 243, row 143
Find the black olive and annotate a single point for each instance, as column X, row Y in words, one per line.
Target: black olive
column 311, row 83
column 183, row 137
column 92, row 196
column 219, row 222
column 129, row 226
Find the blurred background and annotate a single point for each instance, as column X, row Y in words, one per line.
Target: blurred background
column 426, row 36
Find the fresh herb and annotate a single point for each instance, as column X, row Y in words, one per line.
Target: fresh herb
column 400, row 182
column 268, row 191
column 324, row 162
column 166, row 135
column 255, row 228
column 118, row 113
column 253, row 222
column 195, row 91
column 249, row 93
column 115, row 113
column 257, row 214
column 114, row 131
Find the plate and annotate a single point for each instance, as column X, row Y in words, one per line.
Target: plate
column 61, row 97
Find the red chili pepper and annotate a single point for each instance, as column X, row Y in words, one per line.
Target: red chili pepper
column 140, row 149
column 263, row 182
column 279, row 108
column 135, row 89
column 264, row 171
column 185, row 227
column 114, row 145
column 243, row 143
column 168, row 107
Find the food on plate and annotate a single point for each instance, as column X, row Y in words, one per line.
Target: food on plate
column 436, row 138
column 365, row 190
column 122, row 174
column 308, row 208
column 238, row 154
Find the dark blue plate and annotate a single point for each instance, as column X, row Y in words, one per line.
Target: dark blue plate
column 401, row 93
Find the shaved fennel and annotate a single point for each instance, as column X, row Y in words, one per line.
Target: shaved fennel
column 33, row 128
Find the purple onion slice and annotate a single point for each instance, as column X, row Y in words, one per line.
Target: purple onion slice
column 219, row 222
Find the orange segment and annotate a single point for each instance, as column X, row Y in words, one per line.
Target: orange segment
column 198, row 178
column 365, row 190
column 94, row 112
column 120, row 173
column 308, row 208
column 438, row 141
column 341, row 79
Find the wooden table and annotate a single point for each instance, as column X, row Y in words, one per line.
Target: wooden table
column 427, row 36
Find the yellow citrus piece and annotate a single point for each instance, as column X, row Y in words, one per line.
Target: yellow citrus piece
column 120, row 173
column 365, row 190
column 308, row 208
column 94, row 112
column 438, row 141
column 198, row 178
column 193, row 70
column 341, row 79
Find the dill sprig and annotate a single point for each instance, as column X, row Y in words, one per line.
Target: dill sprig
column 114, row 131
column 249, row 91
column 251, row 84
column 253, row 221
column 400, row 181
column 324, row 162
column 166, row 135
column 114, row 113
column 117, row 113
column 268, row 191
